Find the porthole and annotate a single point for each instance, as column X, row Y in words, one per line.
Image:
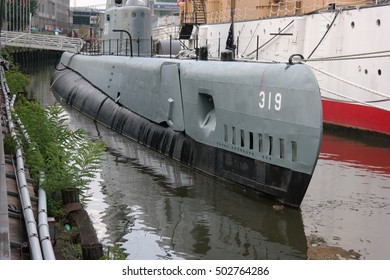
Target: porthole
column 353, row 24
column 142, row 14
column 378, row 22
column 379, row 72
column 365, row 71
column 133, row 14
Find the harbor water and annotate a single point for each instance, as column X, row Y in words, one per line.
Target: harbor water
column 156, row 208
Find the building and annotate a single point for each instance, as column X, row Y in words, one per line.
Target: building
column 87, row 22
column 164, row 8
column 52, row 16
column 220, row 11
column 164, row 13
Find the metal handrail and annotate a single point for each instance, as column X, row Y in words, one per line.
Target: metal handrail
column 131, row 40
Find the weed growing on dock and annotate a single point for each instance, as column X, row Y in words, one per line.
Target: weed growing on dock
column 69, row 159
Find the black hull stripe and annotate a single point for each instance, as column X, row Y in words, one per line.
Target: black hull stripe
column 285, row 185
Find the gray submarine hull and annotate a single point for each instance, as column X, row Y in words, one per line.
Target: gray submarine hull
column 219, row 123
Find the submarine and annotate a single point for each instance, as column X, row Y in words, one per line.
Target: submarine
column 256, row 124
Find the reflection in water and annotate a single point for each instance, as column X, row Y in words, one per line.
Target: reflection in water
column 348, row 201
column 367, row 156
column 159, row 209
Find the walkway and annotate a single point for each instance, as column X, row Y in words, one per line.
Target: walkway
column 40, row 41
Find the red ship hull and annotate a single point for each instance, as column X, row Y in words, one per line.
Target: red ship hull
column 356, row 116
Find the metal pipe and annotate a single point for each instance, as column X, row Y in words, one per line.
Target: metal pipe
column 138, row 41
column 131, row 40
column 170, row 46
column 43, row 225
column 151, row 46
column 31, row 226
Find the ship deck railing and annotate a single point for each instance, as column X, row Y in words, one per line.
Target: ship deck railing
column 126, row 47
column 143, row 47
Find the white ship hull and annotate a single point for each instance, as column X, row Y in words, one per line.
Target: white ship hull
column 348, row 49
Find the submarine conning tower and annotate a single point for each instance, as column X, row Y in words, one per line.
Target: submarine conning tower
column 127, row 27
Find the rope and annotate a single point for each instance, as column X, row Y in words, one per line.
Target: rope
column 348, row 82
column 271, row 38
column 379, row 54
column 250, row 41
column 323, row 37
column 353, row 99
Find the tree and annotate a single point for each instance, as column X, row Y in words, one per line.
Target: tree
column 69, row 159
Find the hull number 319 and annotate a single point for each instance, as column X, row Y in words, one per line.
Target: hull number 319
column 270, row 101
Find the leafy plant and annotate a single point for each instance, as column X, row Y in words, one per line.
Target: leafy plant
column 68, row 245
column 6, row 53
column 68, row 158
column 9, row 144
column 114, row 253
column 17, row 81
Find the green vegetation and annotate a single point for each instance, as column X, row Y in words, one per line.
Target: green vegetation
column 6, row 53
column 68, row 158
column 9, row 144
column 114, row 253
column 17, row 81
column 68, row 243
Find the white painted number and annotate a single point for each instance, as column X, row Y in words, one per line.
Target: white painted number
column 262, row 99
column 276, row 101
